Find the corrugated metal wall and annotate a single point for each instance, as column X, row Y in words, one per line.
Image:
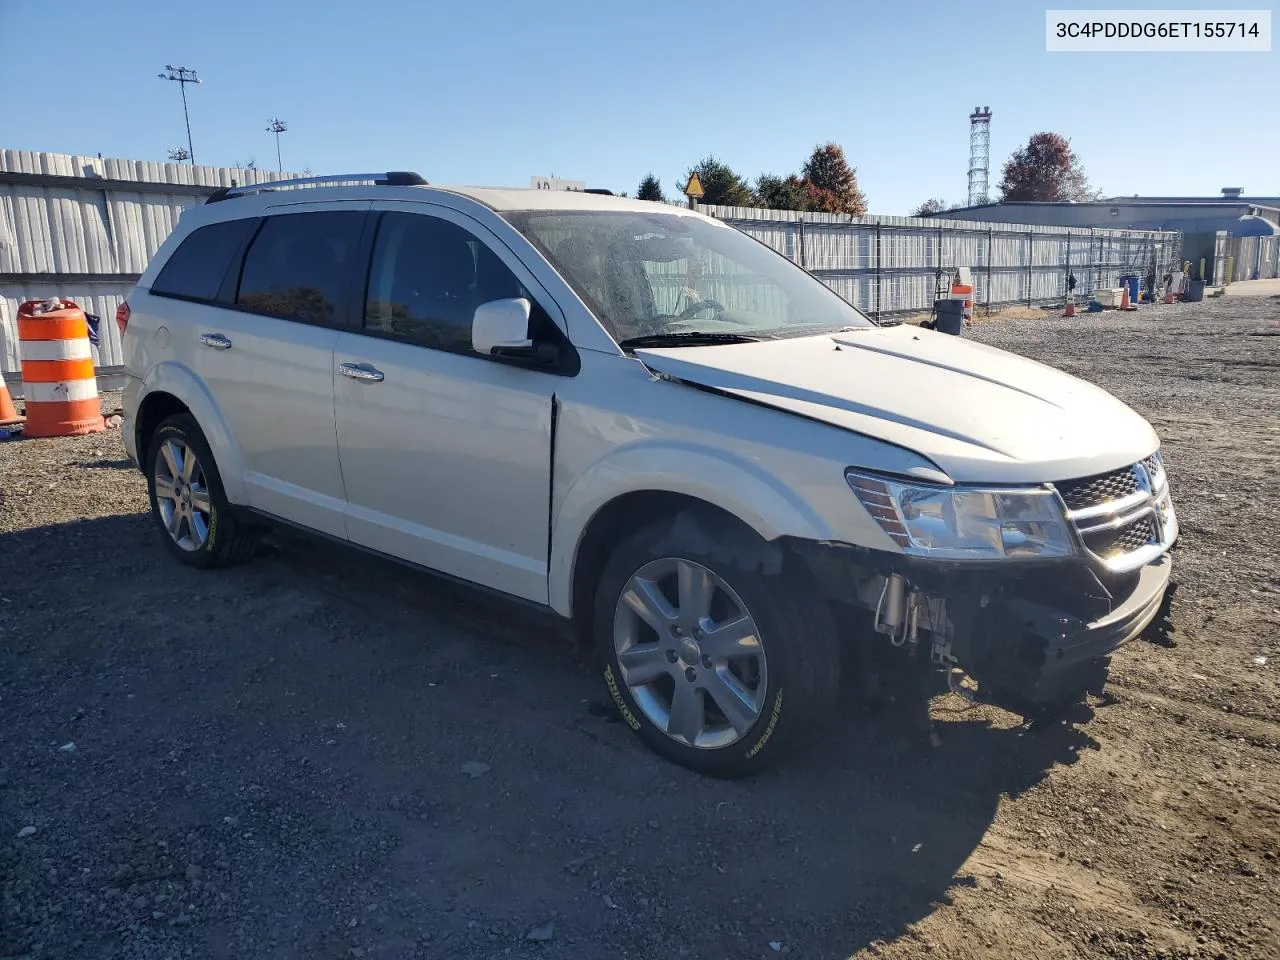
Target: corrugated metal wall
column 85, row 227
column 888, row 264
column 51, row 230
column 96, row 298
column 137, row 171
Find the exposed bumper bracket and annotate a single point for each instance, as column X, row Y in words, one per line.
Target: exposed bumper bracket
column 1048, row 655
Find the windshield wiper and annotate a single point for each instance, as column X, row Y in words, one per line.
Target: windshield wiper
column 687, row 338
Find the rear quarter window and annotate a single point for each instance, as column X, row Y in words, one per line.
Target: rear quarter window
column 197, row 268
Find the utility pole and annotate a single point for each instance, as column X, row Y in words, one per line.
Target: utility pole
column 277, row 126
column 183, row 76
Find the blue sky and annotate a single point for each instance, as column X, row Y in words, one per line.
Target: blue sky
column 493, row 92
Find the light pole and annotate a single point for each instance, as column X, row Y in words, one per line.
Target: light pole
column 183, row 76
column 277, row 126
column 179, row 154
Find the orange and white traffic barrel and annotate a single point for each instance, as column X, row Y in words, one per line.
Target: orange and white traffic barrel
column 58, row 381
column 963, row 291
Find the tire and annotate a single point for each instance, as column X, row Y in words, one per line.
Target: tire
column 205, row 532
column 776, row 687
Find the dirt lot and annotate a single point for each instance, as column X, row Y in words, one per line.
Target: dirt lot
column 320, row 756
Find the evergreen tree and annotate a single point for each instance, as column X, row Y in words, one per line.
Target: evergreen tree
column 650, row 189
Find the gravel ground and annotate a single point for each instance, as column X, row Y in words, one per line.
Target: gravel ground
column 322, row 756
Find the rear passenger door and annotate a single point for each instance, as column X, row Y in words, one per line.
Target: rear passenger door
column 267, row 357
column 446, row 454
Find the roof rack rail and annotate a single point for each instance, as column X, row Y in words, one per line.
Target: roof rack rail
column 392, row 178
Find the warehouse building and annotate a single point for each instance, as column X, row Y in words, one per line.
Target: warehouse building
column 1239, row 216
column 1237, row 233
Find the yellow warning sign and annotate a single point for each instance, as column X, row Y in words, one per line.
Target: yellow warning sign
column 693, row 189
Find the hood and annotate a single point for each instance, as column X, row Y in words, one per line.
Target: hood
column 981, row 414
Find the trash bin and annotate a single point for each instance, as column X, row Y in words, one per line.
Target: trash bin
column 1194, row 292
column 1132, row 281
column 948, row 316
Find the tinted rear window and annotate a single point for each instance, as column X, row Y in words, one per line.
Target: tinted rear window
column 298, row 265
column 197, row 267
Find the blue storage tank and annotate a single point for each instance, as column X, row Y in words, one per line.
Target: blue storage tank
column 1131, row 280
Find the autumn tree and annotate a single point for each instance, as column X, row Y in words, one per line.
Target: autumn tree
column 650, row 189
column 721, row 185
column 930, row 208
column 832, row 185
column 781, row 193
column 1045, row 169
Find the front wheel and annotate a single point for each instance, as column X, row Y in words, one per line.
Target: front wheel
column 714, row 662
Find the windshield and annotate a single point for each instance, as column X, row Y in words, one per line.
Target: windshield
column 661, row 275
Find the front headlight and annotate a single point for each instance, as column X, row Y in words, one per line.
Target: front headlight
column 959, row 523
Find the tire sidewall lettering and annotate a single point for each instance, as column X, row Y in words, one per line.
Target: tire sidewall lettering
column 621, row 704
column 768, row 730
column 211, row 540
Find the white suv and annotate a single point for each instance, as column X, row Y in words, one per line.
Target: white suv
column 648, row 422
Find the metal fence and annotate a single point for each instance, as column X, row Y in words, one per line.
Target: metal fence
column 85, row 227
column 888, row 265
column 1251, row 258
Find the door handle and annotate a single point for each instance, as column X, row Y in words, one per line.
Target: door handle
column 215, row 340
column 361, row 371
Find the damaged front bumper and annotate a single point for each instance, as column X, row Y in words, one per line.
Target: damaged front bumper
column 1026, row 649
column 1030, row 635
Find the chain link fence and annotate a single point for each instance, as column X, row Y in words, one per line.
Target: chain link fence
column 891, row 265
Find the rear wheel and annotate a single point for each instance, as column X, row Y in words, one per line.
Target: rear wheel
column 713, row 662
column 187, row 500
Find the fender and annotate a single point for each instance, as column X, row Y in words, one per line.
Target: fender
column 179, row 380
column 736, row 485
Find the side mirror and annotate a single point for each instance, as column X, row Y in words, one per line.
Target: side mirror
column 501, row 327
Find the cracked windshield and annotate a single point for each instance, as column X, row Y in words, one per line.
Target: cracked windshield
column 654, row 275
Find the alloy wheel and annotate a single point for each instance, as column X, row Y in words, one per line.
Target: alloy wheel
column 182, row 495
column 690, row 653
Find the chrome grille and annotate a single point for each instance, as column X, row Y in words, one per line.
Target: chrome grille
column 1124, row 518
column 1118, row 541
column 1103, row 488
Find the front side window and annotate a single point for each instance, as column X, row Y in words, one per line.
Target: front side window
column 659, row 274
column 297, row 266
column 427, row 278
column 197, row 268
